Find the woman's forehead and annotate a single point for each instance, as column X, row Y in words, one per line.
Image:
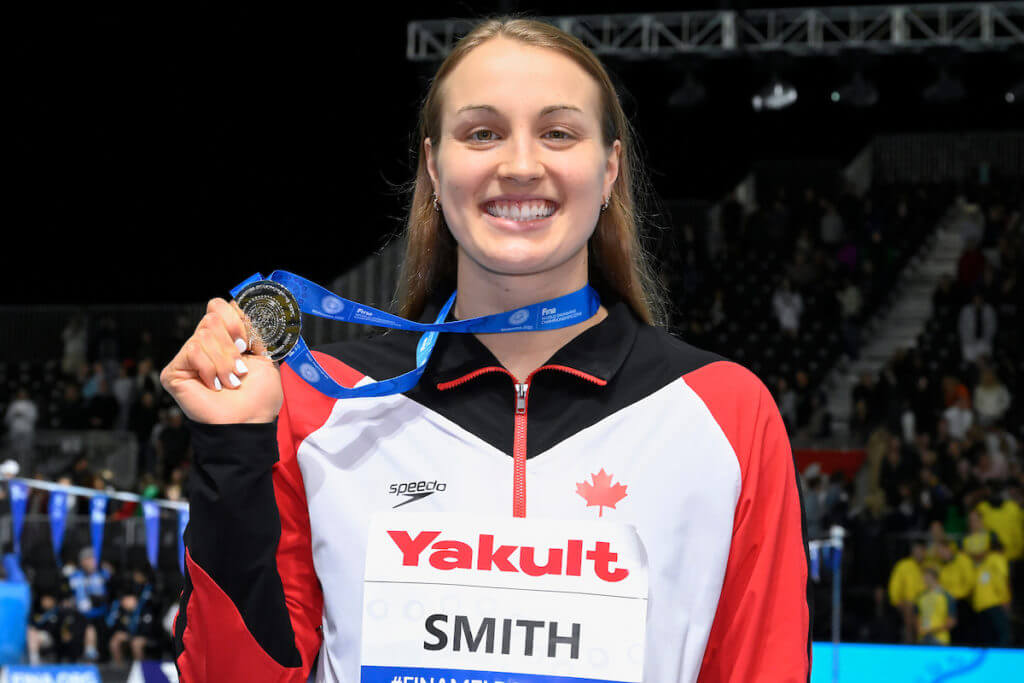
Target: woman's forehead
column 515, row 78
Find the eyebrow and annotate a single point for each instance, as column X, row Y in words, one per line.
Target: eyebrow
column 543, row 112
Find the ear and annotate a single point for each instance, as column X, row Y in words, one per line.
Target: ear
column 428, row 152
column 611, row 168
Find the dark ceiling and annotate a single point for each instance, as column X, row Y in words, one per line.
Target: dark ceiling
column 163, row 156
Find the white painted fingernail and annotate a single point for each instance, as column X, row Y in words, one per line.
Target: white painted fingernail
column 234, row 380
column 216, row 384
column 241, row 345
column 240, row 367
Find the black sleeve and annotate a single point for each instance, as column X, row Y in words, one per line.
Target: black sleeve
column 233, row 533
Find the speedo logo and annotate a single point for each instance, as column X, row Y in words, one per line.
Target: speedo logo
column 483, row 555
column 415, row 490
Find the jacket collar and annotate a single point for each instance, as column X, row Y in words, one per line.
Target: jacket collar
column 598, row 351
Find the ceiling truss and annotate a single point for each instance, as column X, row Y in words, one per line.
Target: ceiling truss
column 972, row 26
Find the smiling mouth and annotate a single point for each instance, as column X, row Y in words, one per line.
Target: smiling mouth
column 521, row 211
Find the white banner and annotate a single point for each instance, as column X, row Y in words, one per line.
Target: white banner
column 446, row 595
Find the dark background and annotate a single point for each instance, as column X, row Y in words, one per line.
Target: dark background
column 163, row 154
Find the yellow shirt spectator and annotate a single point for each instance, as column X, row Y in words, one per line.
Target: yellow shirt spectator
column 957, row 576
column 1007, row 521
column 992, row 587
column 935, row 608
column 906, row 582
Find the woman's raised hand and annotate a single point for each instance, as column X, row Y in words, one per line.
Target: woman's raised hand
column 217, row 379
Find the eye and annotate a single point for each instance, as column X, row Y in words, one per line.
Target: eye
column 489, row 135
column 560, row 134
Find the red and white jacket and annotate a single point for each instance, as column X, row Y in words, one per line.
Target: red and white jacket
column 279, row 512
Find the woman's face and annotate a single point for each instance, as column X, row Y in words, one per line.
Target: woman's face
column 520, row 170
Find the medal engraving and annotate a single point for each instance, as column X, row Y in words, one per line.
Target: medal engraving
column 274, row 316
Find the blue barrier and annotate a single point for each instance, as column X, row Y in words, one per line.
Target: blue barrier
column 915, row 663
column 15, row 602
column 68, row 673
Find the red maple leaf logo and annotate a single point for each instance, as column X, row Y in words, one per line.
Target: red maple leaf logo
column 601, row 493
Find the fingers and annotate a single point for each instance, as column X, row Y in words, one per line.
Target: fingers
column 256, row 345
column 233, row 320
column 220, row 352
column 217, row 347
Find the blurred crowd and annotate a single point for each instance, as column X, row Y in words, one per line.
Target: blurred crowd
column 116, row 607
column 785, row 286
column 943, row 482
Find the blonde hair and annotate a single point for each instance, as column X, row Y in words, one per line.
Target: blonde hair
column 618, row 261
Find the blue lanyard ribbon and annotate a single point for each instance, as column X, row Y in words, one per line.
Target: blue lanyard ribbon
column 315, row 300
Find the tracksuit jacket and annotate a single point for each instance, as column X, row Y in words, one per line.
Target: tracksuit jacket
column 279, row 512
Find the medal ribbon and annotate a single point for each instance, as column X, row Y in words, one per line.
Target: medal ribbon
column 315, row 300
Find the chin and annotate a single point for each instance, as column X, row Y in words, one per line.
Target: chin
column 521, row 262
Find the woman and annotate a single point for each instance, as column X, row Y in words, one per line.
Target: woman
column 524, row 192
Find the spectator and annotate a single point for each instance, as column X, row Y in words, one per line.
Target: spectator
column 804, row 272
column 991, row 398
column 72, row 413
column 788, row 305
column 20, row 419
column 957, row 577
column 906, row 584
column 131, row 622
column 75, row 337
column 123, row 391
column 812, row 406
column 991, row 597
column 787, row 400
column 147, row 378
column 831, row 225
column 971, row 264
column 850, row 302
column 43, row 627
column 970, row 223
column 1005, row 518
column 895, row 469
column 102, row 408
column 977, row 329
column 946, row 297
column 57, row 626
column 936, row 611
column 89, row 589
column 141, row 420
column 91, row 382
column 814, row 500
column 959, row 415
column 861, row 423
column 173, row 444
column 937, row 539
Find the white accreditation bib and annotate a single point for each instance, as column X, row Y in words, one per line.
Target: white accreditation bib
column 502, row 600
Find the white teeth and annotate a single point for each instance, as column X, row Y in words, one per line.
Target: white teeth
column 520, row 211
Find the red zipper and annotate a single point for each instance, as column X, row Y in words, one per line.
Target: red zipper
column 519, row 435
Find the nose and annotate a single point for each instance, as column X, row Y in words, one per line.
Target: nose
column 521, row 162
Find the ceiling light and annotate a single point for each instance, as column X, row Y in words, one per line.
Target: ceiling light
column 774, row 96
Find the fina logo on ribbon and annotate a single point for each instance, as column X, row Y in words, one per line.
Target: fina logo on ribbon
column 427, row 340
column 309, row 373
column 331, row 304
column 519, row 317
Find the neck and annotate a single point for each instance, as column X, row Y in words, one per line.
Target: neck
column 482, row 292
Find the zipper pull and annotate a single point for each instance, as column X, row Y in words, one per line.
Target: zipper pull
column 521, row 390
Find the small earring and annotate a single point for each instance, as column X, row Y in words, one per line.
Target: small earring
column 436, row 206
column 604, row 207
